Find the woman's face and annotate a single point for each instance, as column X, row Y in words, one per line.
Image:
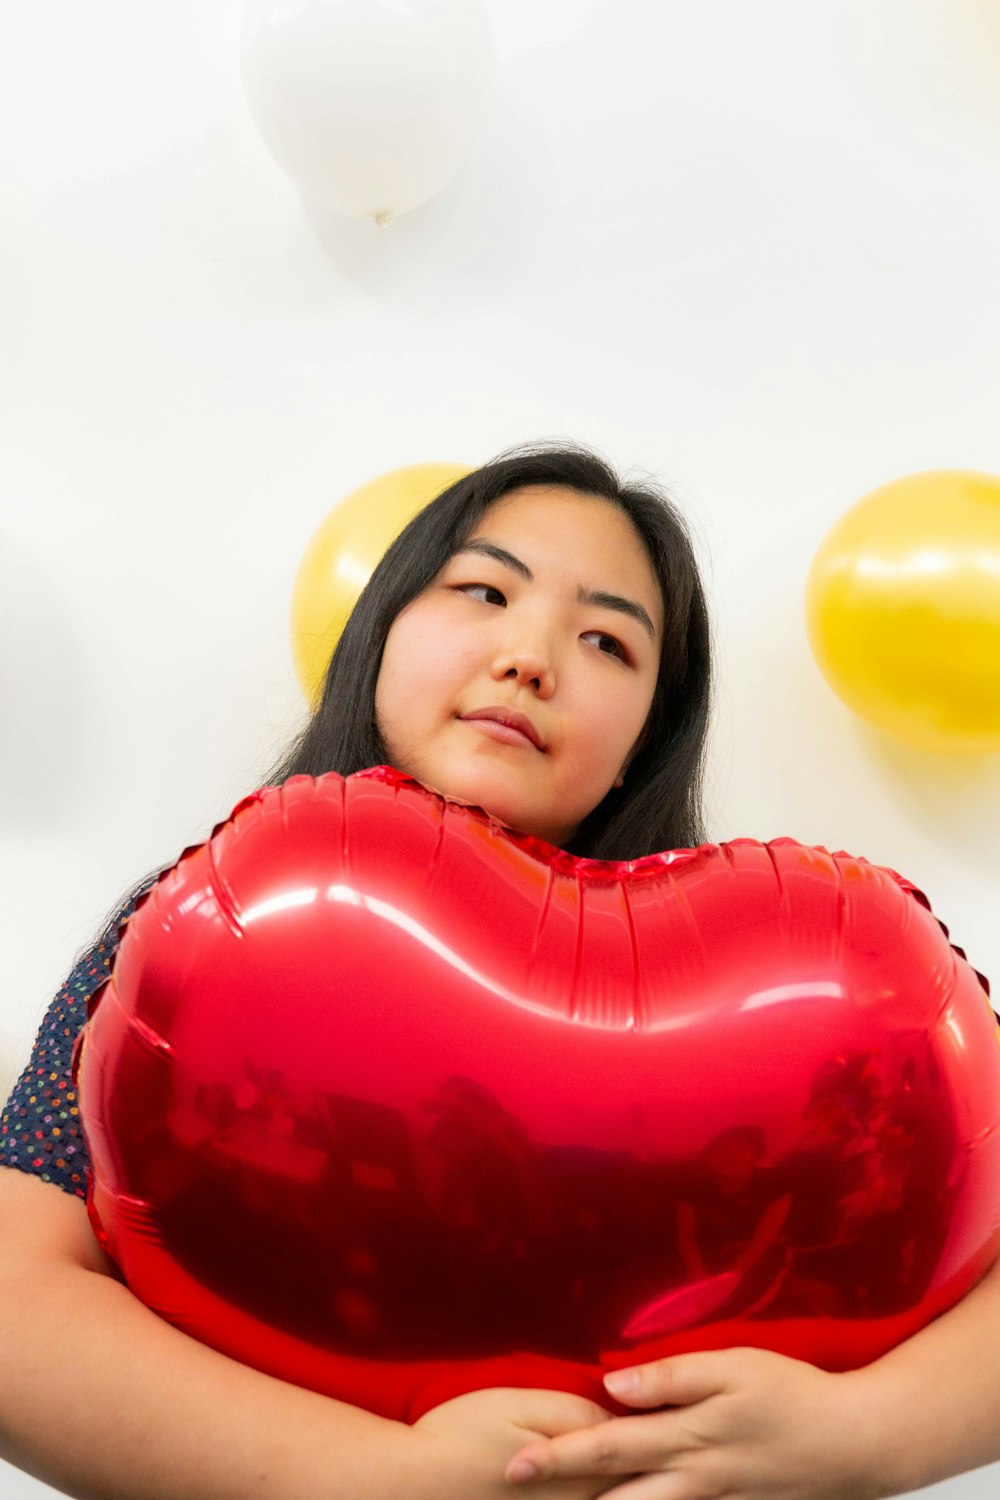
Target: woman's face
column 583, row 673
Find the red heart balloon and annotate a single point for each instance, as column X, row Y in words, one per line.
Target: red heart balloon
column 394, row 1103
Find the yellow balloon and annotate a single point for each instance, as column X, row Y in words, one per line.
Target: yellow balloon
column 342, row 555
column 903, row 610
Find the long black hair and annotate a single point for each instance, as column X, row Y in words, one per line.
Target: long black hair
column 660, row 804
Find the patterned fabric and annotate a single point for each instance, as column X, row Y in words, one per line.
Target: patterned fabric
column 40, row 1129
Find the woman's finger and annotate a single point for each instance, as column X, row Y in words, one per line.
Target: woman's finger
column 683, row 1379
column 626, row 1445
column 669, row 1485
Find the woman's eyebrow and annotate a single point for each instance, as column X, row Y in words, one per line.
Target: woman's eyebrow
column 583, row 596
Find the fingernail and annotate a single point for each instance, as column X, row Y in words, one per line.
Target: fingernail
column 622, row 1382
column 521, row 1468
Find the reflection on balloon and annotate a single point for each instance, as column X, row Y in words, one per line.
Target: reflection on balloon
column 903, row 610
column 370, row 106
column 342, row 555
column 394, row 1102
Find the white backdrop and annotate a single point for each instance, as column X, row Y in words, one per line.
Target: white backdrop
column 751, row 250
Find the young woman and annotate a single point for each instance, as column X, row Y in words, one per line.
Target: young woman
column 542, row 586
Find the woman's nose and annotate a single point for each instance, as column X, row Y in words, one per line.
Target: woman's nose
column 527, row 666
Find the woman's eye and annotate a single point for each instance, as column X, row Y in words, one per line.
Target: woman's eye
column 462, row 587
column 619, row 650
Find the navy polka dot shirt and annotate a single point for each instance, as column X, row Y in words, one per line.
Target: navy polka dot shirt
column 40, row 1129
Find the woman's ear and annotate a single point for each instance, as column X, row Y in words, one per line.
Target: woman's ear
column 643, row 737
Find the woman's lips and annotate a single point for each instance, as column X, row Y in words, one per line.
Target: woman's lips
column 502, row 732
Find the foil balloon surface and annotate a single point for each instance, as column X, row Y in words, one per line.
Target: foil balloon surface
column 394, row 1102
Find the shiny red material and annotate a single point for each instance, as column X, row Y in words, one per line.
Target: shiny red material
column 393, row 1102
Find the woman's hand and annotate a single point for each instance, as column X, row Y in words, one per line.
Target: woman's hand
column 746, row 1424
column 472, row 1438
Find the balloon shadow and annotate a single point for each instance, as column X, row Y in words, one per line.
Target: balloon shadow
column 955, row 797
column 43, row 707
column 469, row 246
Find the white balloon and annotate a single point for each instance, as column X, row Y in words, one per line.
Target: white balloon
column 371, row 106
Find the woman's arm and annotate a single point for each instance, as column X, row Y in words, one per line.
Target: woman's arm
column 103, row 1400
column 751, row 1423
column 939, row 1394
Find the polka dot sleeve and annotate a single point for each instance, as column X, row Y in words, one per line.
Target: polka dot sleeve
column 40, row 1128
